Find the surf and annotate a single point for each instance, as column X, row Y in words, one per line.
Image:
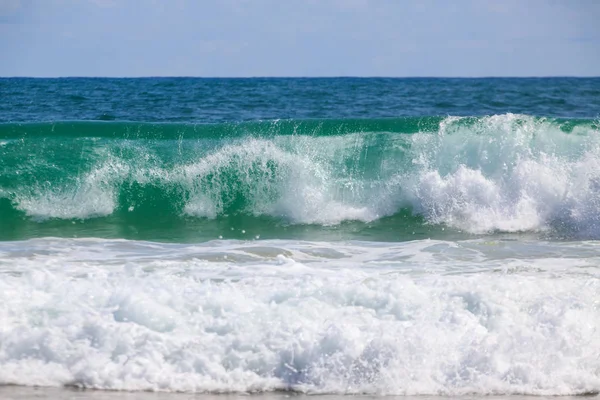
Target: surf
column 431, row 175
column 425, row 317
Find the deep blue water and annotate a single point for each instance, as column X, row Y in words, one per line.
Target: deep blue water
column 222, row 100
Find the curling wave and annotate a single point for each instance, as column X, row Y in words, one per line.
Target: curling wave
column 502, row 173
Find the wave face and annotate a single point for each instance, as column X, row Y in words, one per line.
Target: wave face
column 356, row 179
column 424, row 317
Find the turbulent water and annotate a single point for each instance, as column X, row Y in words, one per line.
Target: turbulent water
column 382, row 236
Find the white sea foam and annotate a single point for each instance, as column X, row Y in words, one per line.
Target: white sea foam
column 424, row 317
column 508, row 173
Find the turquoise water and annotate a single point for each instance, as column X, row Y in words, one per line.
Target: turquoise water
column 336, row 159
column 323, row 236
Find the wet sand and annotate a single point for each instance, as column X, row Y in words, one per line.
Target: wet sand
column 42, row 393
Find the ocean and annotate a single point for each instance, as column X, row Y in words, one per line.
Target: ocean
column 339, row 236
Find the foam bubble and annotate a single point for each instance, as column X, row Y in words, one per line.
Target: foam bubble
column 425, row 317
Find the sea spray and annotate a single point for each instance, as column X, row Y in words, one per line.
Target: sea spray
column 342, row 236
column 505, row 173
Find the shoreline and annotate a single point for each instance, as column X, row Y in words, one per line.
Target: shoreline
column 14, row 392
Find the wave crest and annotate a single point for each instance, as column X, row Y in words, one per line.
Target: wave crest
column 508, row 173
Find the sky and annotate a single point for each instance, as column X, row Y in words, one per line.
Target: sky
column 238, row 38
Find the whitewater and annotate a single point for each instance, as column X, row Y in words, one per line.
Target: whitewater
column 425, row 317
column 396, row 241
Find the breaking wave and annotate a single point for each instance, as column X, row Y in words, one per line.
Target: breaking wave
column 502, row 173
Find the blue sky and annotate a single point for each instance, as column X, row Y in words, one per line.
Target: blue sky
column 299, row 37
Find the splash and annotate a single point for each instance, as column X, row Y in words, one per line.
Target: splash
column 503, row 173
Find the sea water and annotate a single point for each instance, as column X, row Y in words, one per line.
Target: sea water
column 333, row 236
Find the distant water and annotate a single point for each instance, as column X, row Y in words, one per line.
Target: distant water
column 342, row 236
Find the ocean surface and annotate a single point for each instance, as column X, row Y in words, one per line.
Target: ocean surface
column 338, row 236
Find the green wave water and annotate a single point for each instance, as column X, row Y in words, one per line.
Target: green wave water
column 381, row 179
column 349, row 177
column 311, row 127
